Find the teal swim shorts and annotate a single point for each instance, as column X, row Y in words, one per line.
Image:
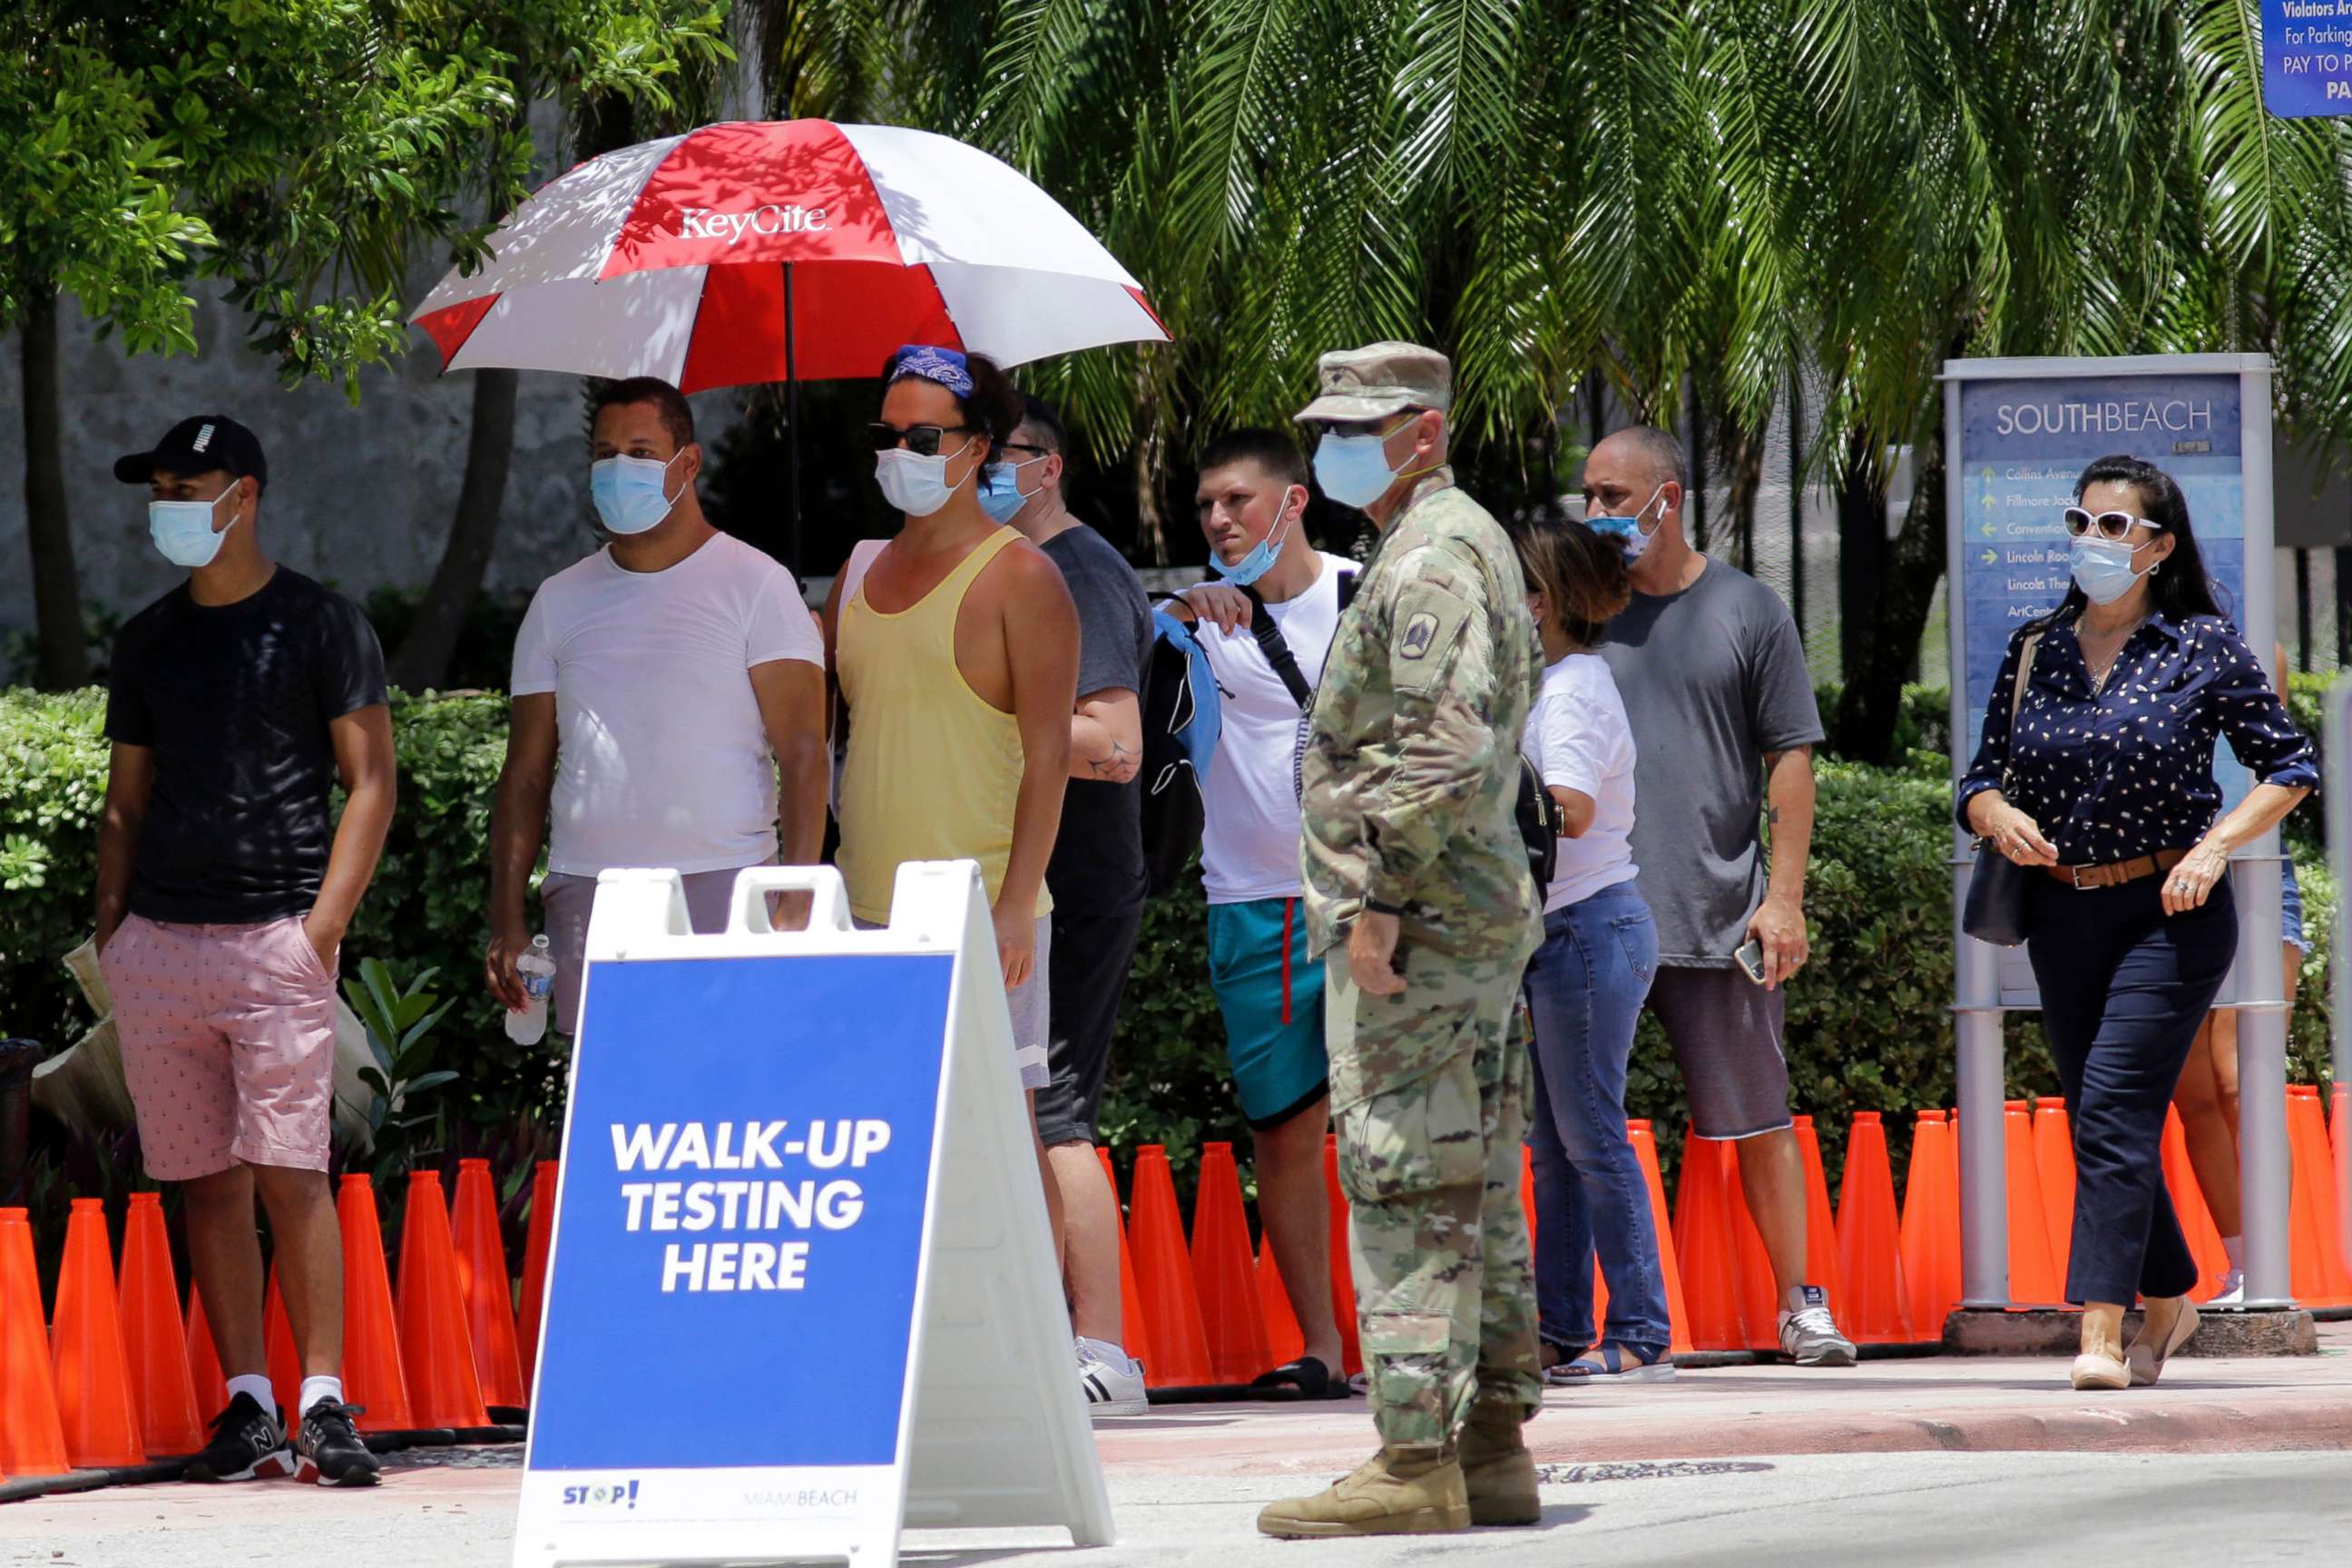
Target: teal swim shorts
column 1271, row 992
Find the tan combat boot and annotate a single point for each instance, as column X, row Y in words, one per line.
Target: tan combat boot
column 1398, row 1492
column 1497, row 1471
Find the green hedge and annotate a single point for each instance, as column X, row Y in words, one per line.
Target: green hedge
column 1869, row 1024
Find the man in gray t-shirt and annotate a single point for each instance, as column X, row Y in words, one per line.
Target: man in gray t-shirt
column 1713, row 674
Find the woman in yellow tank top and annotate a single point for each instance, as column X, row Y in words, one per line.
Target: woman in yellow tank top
column 956, row 656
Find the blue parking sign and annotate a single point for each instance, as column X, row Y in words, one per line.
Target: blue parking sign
column 2308, row 58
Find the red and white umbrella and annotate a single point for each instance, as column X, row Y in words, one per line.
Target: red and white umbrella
column 782, row 251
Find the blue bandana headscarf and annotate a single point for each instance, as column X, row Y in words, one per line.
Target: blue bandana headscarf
column 948, row 367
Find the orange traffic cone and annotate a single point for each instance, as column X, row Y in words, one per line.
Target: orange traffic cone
column 1223, row 1273
column 489, row 1295
column 32, row 1438
column 1706, row 1245
column 1869, row 1239
column 1824, row 1265
column 1285, row 1342
column 1645, row 1149
column 436, row 1347
column 2315, row 1246
column 1138, row 1341
column 535, row 1246
column 281, row 1355
column 1931, row 1227
column 2032, row 1276
column 1163, row 1274
column 1760, row 1293
column 1343, row 1267
column 204, row 1359
column 153, row 1336
column 2339, row 1132
column 2054, row 1160
column 93, row 1370
column 373, row 1378
column 2197, row 1227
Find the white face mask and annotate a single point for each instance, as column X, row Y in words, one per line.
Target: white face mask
column 916, row 485
column 183, row 530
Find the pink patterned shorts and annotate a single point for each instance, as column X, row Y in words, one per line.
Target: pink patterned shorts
column 228, row 1043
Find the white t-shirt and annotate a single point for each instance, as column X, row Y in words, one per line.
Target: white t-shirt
column 662, row 759
column 1579, row 739
column 1249, row 846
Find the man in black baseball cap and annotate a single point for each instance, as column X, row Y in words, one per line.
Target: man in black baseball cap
column 225, row 886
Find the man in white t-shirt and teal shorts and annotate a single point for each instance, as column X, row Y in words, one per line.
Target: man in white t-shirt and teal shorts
column 1252, row 498
column 668, row 704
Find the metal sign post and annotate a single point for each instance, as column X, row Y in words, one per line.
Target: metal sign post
column 2338, row 745
column 2017, row 432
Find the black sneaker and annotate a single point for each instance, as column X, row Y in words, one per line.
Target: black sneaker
column 249, row 1443
column 327, row 1450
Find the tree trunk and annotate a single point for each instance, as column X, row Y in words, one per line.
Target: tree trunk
column 424, row 654
column 1861, row 548
column 48, row 531
column 1151, row 521
column 1867, row 711
column 1740, row 448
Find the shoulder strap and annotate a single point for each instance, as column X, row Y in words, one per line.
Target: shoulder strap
column 1271, row 643
column 1347, row 580
column 2024, row 676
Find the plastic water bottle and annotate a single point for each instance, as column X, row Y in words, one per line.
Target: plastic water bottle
column 528, row 1024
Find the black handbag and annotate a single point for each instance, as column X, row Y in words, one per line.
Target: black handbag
column 1997, row 887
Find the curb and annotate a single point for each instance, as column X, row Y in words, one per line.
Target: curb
column 2085, row 1426
column 25, row 1489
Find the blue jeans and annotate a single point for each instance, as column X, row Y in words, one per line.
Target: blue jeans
column 1585, row 987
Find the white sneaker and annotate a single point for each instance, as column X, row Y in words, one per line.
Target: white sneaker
column 1809, row 1335
column 2232, row 1292
column 1112, row 1380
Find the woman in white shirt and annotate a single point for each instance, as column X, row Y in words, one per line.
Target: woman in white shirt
column 1586, row 984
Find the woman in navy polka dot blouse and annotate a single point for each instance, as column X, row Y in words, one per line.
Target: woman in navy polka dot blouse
column 2105, row 783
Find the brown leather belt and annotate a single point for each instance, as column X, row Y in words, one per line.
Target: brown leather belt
column 2115, row 873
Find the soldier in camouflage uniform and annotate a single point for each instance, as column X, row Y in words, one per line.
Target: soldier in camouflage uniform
column 1419, row 897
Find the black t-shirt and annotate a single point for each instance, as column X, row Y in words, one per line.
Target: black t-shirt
column 235, row 702
column 1098, row 862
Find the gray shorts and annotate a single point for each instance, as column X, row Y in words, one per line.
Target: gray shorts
column 568, row 901
column 1726, row 1033
column 1032, row 1008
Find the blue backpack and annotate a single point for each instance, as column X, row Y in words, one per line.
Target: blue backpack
column 1181, row 718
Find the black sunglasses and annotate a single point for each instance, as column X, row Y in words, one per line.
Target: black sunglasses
column 923, row 440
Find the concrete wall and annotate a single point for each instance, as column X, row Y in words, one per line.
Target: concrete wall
column 359, row 496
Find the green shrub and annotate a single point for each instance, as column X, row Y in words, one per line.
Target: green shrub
column 1870, row 1024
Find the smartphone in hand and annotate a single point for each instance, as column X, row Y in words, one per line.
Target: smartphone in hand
column 1751, row 958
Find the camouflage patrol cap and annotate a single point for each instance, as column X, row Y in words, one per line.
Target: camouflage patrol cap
column 1378, row 380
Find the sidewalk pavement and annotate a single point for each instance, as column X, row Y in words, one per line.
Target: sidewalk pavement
column 1905, row 1404
column 1811, row 1455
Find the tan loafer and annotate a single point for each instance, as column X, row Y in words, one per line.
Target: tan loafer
column 2100, row 1371
column 2148, row 1358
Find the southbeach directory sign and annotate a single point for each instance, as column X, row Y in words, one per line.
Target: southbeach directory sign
column 2023, row 441
column 2308, row 58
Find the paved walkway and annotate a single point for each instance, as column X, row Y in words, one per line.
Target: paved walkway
column 1965, row 1459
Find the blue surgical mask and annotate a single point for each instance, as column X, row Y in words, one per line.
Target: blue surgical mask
column 1632, row 541
column 1001, row 496
column 1261, row 558
column 1353, row 470
column 631, row 494
column 2103, row 569
column 183, row 530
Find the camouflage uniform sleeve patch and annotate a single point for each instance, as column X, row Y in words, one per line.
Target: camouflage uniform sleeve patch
column 1428, row 622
